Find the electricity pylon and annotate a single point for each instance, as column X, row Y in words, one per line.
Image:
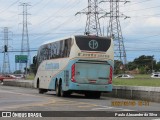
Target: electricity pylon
column 92, row 23
column 6, row 63
column 25, row 38
column 114, row 30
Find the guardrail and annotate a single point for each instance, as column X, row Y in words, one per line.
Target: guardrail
column 127, row 92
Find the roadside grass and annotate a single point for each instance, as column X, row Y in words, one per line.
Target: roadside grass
column 30, row 77
column 139, row 80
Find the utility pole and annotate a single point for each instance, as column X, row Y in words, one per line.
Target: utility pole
column 92, row 23
column 114, row 30
column 25, row 38
column 6, row 63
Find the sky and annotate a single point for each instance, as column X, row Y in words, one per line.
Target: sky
column 53, row 19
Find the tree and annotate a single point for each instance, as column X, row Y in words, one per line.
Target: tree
column 144, row 63
column 118, row 67
column 157, row 67
column 17, row 72
column 33, row 68
column 131, row 66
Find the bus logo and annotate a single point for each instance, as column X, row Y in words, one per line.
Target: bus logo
column 93, row 44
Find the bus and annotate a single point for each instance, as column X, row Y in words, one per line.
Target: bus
column 77, row 64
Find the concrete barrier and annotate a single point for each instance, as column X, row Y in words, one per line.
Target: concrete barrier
column 18, row 83
column 127, row 92
column 136, row 93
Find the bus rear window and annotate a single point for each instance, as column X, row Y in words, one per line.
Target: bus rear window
column 93, row 43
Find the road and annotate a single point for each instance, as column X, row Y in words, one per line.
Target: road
column 25, row 99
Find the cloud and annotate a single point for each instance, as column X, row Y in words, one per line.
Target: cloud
column 153, row 22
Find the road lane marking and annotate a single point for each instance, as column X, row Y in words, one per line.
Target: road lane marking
column 85, row 105
column 57, row 101
column 19, row 93
column 25, row 94
column 100, row 107
column 28, row 105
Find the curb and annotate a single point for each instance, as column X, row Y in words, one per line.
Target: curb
column 128, row 92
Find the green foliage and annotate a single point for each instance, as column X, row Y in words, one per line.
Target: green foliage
column 30, row 77
column 145, row 64
column 139, row 80
column 118, row 67
column 33, row 68
column 132, row 66
column 17, row 72
column 142, row 70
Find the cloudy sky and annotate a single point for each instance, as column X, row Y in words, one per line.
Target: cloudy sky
column 52, row 19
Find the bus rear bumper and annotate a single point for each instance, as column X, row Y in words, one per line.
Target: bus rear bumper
column 90, row 87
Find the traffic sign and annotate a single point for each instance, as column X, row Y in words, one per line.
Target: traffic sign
column 21, row 58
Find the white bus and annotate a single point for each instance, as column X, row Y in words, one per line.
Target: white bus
column 80, row 64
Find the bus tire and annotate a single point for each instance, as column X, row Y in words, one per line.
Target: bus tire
column 57, row 89
column 62, row 93
column 40, row 91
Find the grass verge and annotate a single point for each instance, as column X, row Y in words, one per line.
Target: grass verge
column 139, row 80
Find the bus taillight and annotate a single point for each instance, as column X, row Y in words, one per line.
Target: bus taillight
column 110, row 75
column 73, row 73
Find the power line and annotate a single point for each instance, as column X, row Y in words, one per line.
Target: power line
column 145, row 37
column 47, row 32
column 139, row 2
column 143, row 9
column 48, row 19
column 154, row 15
column 9, row 6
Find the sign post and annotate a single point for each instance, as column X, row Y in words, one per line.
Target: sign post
column 22, row 59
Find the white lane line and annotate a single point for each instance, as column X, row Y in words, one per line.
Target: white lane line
column 24, row 94
column 4, row 91
column 100, row 107
column 156, row 119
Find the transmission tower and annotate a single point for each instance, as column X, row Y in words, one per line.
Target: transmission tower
column 114, row 30
column 92, row 23
column 25, row 37
column 6, row 64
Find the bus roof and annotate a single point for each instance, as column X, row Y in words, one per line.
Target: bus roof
column 72, row 36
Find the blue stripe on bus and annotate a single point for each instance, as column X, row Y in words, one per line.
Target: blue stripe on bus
column 61, row 75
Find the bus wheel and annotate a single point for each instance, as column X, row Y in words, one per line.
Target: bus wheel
column 63, row 93
column 41, row 91
column 57, row 89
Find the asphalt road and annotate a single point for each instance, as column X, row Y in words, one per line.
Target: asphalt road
column 25, row 99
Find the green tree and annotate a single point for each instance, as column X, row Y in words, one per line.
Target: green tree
column 131, row 66
column 157, row 67
column 118, row 67
column 17, row 72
